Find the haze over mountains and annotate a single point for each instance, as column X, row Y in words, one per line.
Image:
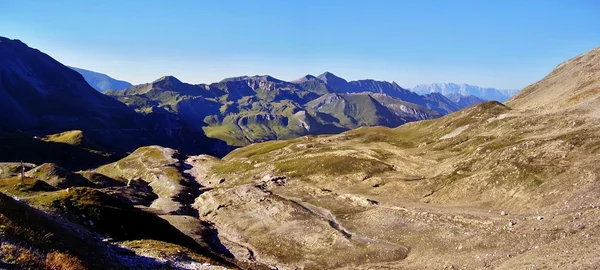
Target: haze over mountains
column 101, row 82
column 485, row 93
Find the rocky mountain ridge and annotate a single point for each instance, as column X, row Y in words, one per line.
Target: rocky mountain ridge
column 247, row 109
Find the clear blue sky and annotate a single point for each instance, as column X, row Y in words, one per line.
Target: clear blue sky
column 503, row 43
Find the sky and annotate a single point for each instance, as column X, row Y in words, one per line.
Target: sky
column 503, row 44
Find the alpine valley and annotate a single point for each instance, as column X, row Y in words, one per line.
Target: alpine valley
column 325, row 174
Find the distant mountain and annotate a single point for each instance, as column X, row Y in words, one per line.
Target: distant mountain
column 439, row 104
column 315, row 84
column 464, row 101
column 101, row 82
column 246, row 109
column 41, row 96
column 500, row 95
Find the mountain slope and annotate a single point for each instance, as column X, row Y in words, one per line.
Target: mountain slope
column 446, row 89
column 571, row 83
column 101, row 82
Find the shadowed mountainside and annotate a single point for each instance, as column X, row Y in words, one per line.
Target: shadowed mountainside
column 40, row 96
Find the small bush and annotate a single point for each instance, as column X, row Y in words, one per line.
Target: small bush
column 62, row 261
column 22, row 256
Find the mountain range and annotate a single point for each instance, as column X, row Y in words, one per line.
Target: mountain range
column 101, row 82
column 248, row 109
column 484, row 93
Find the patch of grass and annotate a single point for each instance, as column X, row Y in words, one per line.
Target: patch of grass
column 258, row 149
column 63, row 261
column 382, row 153
column 405, row 136
column 331, row 166
column 169, row 251
column 227, row 132
column 18, row 186
column 100, row 180
column 150, row 153
column 73, row 137
column 36, row 185
column 579, row 137
column 22, row 256
column 9, row 170
column 500, row 143
column 173, row 174
column 228, row 167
